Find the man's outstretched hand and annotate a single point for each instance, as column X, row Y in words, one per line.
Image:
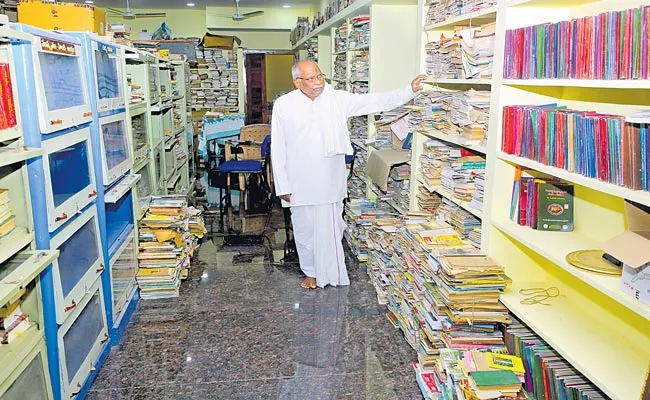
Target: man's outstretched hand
column 286, row 197
column 416, row 85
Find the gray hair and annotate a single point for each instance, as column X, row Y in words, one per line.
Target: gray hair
column 295, row 71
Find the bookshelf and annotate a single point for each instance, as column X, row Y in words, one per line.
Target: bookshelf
column 600, row 330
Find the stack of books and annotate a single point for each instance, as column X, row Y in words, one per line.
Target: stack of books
column 441, row 10
column 341, row 38
column 545, row 368
column 399, row 186
column 458, row 177
column 542, row 204
column 7, row 217
column 468, row 54
column 165, row 246
column 360, row 33
column 13, row 319
column 215, row 83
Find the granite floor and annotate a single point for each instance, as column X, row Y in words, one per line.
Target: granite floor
column 248, row 331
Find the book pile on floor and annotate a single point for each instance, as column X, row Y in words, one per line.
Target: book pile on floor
column 467, row 225
column 360, row 33
column 7, row 217
column 215, row 83
column 166, row 243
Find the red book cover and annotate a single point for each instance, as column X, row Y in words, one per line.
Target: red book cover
column 560, row 132
column 543, row 137
column 604, row 148
column 520, row 51
column 519, row 132
column 505, row 134
column 523, row 200
column 8, row 95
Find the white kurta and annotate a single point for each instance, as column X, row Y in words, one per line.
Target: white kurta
column 309, row 140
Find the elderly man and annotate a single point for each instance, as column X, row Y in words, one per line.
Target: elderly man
column 309, row 141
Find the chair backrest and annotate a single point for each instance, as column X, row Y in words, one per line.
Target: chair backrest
column 255, row 132
column 265, row 146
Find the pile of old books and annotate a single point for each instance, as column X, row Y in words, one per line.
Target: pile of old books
column 468, row 54
column 165, row 246
column 215, row 82
column 441, row 10
column 7, row 218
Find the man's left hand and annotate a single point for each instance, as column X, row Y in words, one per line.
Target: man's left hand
column 416, row 85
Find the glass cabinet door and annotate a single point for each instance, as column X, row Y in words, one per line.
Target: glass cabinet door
column 115, row 146
column 140, row 136
column 30, row 380
column 124, row 268
column 80, row 340
column 69, row 183
column 79, row 263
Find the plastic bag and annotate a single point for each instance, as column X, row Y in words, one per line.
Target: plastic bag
column 162, row 33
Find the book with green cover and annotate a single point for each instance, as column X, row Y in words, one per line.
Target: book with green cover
column 555, row 207
column 496, row 380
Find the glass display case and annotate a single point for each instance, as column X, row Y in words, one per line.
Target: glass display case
column 124, row 268
column 159, row 167
column 145, row 188
column 70, row 179
column 116, row 150
column 30, row 379
column 170, row 158
column 79, row 263
column 156, row 128
column 60, row 80
column 154, row 83
column 140, row 136
column 81, row 338
column 10, row 126
column 119, row 220
column 165, row 80
column 108, row 68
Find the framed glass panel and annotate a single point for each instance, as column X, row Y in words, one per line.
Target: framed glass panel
column 116, row 151
column 124, row 268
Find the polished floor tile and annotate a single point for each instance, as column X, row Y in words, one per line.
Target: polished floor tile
column 244, row 329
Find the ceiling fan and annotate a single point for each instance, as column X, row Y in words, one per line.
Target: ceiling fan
column 238, row 16
column 128, row 14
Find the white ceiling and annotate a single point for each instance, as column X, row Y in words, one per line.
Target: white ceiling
column 167, row 4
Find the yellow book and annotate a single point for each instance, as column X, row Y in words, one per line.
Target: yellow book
column 506, row 361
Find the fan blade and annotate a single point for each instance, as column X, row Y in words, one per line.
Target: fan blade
column 252, row 14
column 150, row 15
column 115, row 10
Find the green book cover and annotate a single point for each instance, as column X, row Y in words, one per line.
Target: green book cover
column 540, row 51
column 494, row 378
column 555, row 207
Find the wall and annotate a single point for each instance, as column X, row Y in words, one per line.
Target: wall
column 184, row 23
column 260, row 40
column 273, row 18
column 278, row 74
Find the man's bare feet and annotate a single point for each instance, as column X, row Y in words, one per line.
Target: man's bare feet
column 308, row 283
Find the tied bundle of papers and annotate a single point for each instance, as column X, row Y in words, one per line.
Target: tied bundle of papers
column 545, row 368
column 359, row 127
column 441, row 10
column 166, row 244
column 468, row 54
column 389, row 125
column 360, row 34
column 7, row 217
column 399, row 187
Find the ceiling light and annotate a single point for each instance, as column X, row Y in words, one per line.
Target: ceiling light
column 286, row 6
column 190, row 4
column 89, row 1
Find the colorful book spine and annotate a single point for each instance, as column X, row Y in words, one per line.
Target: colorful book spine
column 600, row 146
column 7, row 105
column 611, row 45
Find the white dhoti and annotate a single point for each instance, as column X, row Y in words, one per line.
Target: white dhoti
column 318, row 232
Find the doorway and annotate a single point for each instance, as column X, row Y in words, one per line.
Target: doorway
column 268, row 76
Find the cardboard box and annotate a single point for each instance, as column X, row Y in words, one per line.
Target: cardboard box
column 632, row 247
column 221, row 42
column 62, row 16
